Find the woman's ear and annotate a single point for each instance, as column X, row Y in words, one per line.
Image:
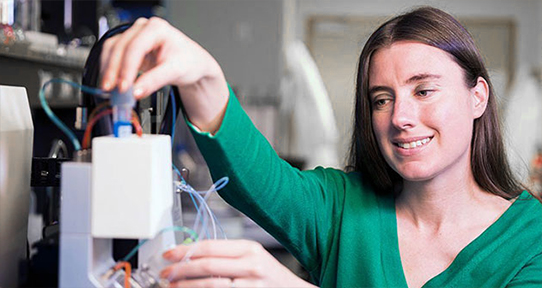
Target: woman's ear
column 480, row 94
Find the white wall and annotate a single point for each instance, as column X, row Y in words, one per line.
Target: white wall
column 245, row 36
column 540, row 31
column 527, row 15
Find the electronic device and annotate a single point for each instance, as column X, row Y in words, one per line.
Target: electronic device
column 125, row 192
column 16, row 138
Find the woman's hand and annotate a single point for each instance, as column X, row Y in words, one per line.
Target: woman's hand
column 227, row 263
column 166, row 56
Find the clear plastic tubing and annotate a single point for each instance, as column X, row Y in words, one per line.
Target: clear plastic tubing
column 122, row 103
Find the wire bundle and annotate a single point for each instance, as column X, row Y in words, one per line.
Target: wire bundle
column 206, row 224
column 99, row 112
column 98, row 115
column 203, row 215
column 127, row 272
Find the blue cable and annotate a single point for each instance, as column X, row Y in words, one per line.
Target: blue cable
column 184, row 182
column 221, row 183
column 218, row 185
column 52, row 115
column 174, row 120
column 203, row 219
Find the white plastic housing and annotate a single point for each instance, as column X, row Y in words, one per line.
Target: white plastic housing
column 132, row 188
column 16, row 138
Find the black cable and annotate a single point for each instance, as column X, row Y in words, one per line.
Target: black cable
column 91, row 77
column 27, row 249
column 166, row 126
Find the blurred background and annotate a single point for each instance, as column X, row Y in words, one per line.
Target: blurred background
column 292, row 64
column 267, row 50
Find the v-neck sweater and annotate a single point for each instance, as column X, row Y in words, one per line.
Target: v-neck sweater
column 342, row 231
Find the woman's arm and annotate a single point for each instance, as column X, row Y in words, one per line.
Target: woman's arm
column 166, row 57
column 530, row 275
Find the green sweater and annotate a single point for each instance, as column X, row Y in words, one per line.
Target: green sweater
column 342, row 232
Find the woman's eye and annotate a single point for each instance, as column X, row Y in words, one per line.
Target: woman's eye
column 424, row 93
column 380, row 103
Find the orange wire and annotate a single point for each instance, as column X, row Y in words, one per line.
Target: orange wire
column 127, row 272
column 98, row 109
column 88, row 131
column 93, row 120
column 137, row 125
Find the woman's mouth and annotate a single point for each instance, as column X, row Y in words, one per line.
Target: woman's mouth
column 413, row 144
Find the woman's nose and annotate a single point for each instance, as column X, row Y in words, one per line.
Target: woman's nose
column 405, row 113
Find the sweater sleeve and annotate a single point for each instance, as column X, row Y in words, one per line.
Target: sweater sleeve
column 297, row 207
column 530, row 275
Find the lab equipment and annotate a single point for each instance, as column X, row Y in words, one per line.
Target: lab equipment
column 126, row 192
column 131, row 196
column 16, row 138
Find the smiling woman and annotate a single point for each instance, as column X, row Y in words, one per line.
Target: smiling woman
column 424, row 131
column 429, row 201
column 423, row 98
column 447, row 38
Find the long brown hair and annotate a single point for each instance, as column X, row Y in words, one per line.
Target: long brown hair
column 436, row 28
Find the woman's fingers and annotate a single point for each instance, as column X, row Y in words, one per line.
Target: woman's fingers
column 214, row 248
column 150, row 40
column 225, row 258
column 203, row 283
column 152, row 80
column 152, row 46
column 208, row 262
column 106, row 54
column 217, row 282
column 210, row 266
column 113, row 55
column 107, row 79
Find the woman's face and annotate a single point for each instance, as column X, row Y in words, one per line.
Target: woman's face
column 422, row 110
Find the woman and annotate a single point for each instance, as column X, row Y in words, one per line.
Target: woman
column 430, row 200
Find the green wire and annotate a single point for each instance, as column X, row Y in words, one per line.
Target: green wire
column 52, row 115
column 194, row 238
